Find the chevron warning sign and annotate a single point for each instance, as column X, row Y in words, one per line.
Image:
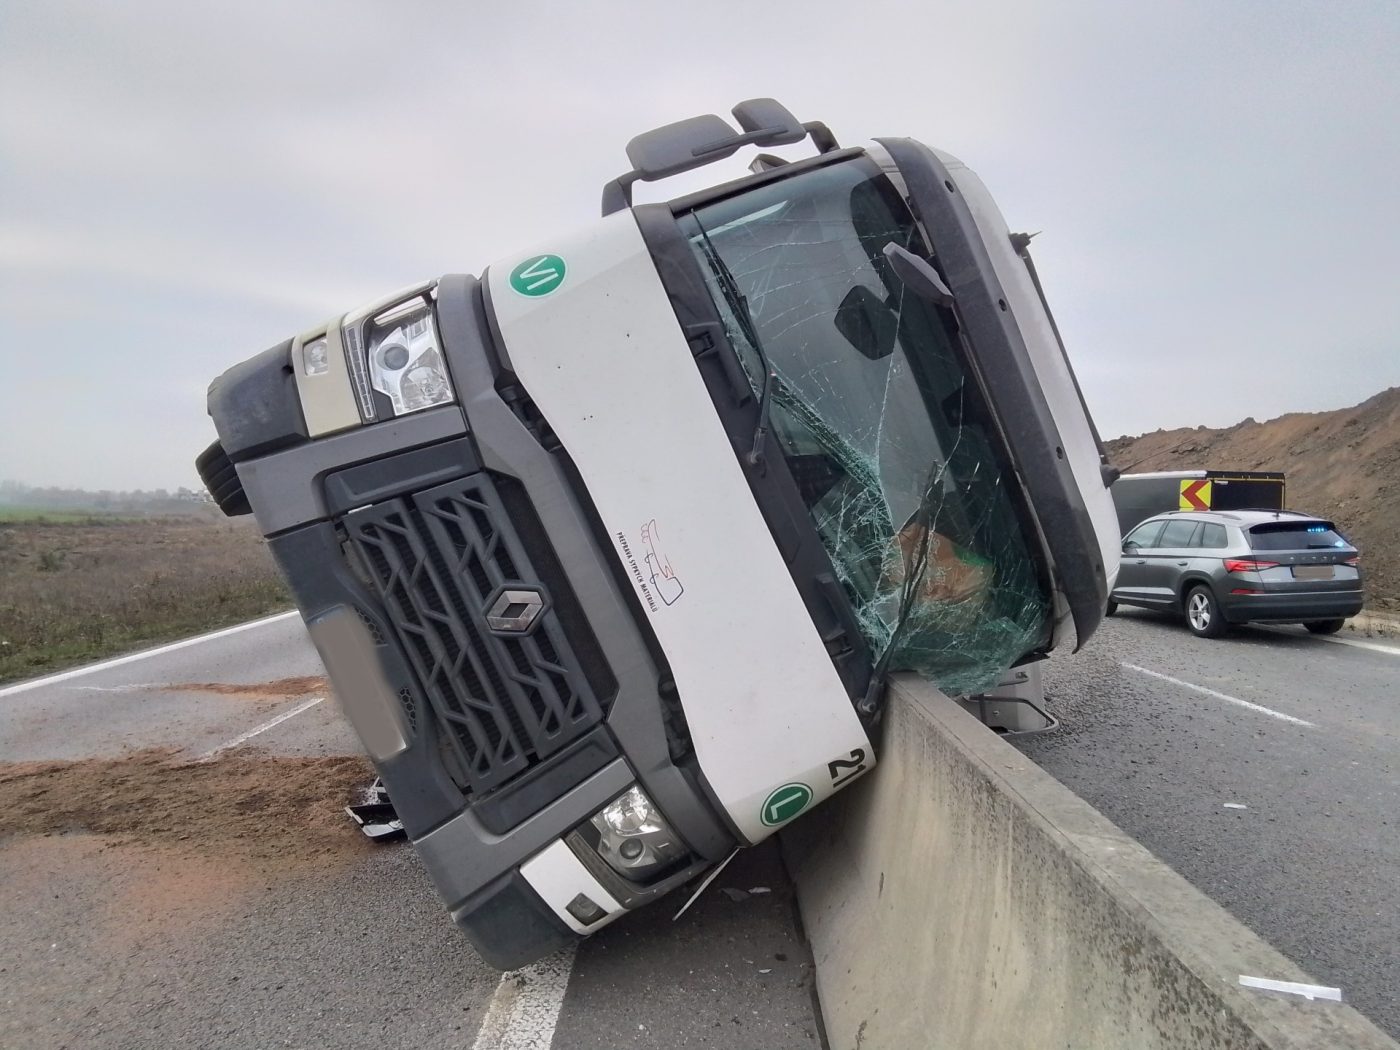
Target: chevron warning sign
column 1195, row 495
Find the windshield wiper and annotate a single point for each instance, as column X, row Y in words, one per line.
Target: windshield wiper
column 739, row 307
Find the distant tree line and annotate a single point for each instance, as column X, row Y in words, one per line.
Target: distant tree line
column 105, row 501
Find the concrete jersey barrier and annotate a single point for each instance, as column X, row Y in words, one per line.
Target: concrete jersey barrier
column 963, row 898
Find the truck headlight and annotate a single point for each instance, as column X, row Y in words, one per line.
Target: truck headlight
column 634, row 838
column 398, row 354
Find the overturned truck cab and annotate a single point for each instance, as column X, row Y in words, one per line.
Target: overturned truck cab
column 609, row 551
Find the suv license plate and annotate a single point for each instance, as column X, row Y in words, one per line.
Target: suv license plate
column 1313, row 572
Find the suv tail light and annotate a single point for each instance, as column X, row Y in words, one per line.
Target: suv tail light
column 1248, row 565
column 1354, row 561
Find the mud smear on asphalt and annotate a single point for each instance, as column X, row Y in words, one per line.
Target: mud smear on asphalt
column 281, row 689
column 282, row 811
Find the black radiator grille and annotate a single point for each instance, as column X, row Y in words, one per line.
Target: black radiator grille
column 437, row 558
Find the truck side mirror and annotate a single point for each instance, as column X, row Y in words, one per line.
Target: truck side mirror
column 680, row 146
column 696, row 141
column 768, row 122
column 867, row 323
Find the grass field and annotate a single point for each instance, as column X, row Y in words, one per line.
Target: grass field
column 78, row 586
column 26, row 516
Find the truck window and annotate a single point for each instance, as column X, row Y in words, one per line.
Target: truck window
column 884, row 430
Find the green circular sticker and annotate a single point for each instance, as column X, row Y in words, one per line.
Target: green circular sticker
column 538, row 275
column 785, row 803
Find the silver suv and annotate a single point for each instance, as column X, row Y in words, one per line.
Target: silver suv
column 1249, row 566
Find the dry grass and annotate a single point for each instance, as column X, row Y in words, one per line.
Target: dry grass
column 77, row 590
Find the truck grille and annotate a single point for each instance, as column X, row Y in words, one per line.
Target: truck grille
column 437, row 558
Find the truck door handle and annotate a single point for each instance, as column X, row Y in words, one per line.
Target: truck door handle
column 1142, row 561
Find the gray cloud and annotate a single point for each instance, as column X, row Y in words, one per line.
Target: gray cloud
column 183, row 185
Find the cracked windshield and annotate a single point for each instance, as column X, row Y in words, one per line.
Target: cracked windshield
column 883, row 429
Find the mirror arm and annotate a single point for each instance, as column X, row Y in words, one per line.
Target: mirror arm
column 821, row 136
column 617, row 194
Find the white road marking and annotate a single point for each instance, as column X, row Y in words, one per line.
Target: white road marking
column 78, row 672
column 1375, row 647
column 243, row 738
column 524, row 1010
column 1221, row 696
column 132, row 688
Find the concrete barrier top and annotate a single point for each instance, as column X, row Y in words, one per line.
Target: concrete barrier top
column 964, row 898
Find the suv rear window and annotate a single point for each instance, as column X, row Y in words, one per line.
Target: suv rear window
column 1295, row 536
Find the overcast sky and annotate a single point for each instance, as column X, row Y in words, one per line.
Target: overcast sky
column 185, row 184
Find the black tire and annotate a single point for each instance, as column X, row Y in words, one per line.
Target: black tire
column 1324, row 626
column 221, row 479
column 1203, row 616
column 1110, row 608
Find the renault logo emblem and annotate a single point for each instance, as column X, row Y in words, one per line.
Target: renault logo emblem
column 514, row 611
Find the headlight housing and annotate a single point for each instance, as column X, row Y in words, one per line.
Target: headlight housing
column 396, row 362
column 634, row 838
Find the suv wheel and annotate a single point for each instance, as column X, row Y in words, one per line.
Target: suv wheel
column 1325, row 626
column 1203, row 615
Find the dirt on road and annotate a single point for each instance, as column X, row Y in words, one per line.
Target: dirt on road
column 245, row 804
column 281, row 689
column 1342, row 465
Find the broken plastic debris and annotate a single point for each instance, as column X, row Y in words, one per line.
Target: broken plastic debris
column 756, row 890
column 376, row 815
column 1307, row 991
column 1235, row 805
column 733, row 894
column 704, row 884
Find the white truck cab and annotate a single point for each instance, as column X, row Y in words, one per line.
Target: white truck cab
column 610, row 550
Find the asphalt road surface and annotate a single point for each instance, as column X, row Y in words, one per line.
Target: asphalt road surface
column 1264, row 767
column 109, row 942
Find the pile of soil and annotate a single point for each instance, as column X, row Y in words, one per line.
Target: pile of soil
column 281, row 689
column 1342, row 465
column 244, row 803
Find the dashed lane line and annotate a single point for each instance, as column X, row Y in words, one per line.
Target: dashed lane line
column 243, row 738
column 1260, row 708
column 524, row 1011
column 78, row 672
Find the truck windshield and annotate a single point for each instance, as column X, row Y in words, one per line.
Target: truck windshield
column 884, row 431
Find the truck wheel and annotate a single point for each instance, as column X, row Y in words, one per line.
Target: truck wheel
column 221, row 479
column 1324, row 626
column 1110, row 608
column 1203, row 615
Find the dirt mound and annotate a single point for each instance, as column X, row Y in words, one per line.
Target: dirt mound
column 245, row 803
column 281, row 689
column 1342, row 465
